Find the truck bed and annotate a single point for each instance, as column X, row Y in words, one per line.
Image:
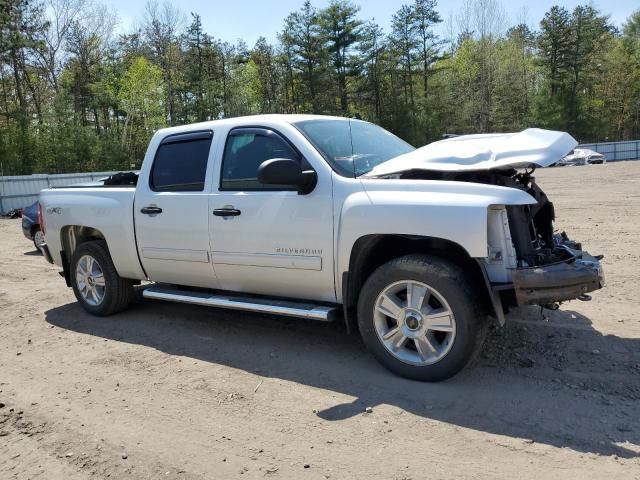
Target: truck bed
column 105, row 208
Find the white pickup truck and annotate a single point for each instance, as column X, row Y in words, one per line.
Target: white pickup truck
column 322, row 218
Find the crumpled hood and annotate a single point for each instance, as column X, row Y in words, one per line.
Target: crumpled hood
column 532, row 146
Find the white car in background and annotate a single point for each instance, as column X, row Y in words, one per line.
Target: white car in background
column 582, row 156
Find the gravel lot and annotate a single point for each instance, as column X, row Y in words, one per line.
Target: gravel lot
column 178, row 392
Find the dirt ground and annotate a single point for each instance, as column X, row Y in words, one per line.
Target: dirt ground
column 178, row 392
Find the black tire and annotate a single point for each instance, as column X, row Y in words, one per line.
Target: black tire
column 118, row 292
column 35, row 232
column 452, row 284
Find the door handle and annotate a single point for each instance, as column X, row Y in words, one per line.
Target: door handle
column 151, row 210
column 226, row 212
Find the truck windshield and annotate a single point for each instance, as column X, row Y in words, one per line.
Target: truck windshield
column 352, row 147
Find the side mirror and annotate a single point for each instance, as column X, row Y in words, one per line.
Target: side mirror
column 285, row 171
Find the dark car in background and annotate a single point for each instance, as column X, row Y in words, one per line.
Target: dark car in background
column 31, row 227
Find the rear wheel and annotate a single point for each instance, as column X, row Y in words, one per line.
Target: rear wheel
column 419, row 317
column 38, row 239
column 96, row 283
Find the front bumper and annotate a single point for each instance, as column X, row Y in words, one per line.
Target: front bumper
column 558, row 282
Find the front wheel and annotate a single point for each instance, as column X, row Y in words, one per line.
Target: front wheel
column 96, row 283
column 419, row 317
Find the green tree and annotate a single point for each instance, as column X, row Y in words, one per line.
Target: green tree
column 142, row 94
column 73, row 97
column 404, row 42
column 161, row 27
column 631, row 33
column 425, row 18
column 87, row 46
column 515, row 74
column 588, row 29
column 459, row 80
column 195, row 66
column 341, row 30
column 303, row 34
column 201, row 64
column 568, row 45
column 21, row 28
column 267, row 75
column 554, row 46
column 371, row 51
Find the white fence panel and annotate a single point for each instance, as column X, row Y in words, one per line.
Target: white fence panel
column 22, row 190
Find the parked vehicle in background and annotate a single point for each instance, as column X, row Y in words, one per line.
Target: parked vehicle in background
column 13, row 213
column 320, row 217
column 582, row 156
column 31, row 226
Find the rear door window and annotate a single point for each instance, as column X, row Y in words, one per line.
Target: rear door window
column 180, row 164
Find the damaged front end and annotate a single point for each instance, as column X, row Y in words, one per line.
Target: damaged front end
column 551, row 268
column 528, row 263
column 566, row 280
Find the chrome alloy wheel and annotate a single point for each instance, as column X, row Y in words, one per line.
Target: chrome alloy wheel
column 90, row 280
column 414, row 322
column 38, row 239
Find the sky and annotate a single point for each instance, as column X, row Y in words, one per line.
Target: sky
column 250, row 19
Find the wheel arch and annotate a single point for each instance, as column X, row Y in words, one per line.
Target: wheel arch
column 371, row 251
column 71, row 237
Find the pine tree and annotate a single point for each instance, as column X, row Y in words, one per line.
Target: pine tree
column 341, row 30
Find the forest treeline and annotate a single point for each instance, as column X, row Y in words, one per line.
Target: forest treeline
column 76, row 96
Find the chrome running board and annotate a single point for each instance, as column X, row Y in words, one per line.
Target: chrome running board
column 248, row 304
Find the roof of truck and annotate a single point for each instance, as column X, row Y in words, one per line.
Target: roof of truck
column 271, row 118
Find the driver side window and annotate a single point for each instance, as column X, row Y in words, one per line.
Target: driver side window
column 244, row 152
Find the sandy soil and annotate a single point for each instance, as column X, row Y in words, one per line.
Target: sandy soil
column 177, row 392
